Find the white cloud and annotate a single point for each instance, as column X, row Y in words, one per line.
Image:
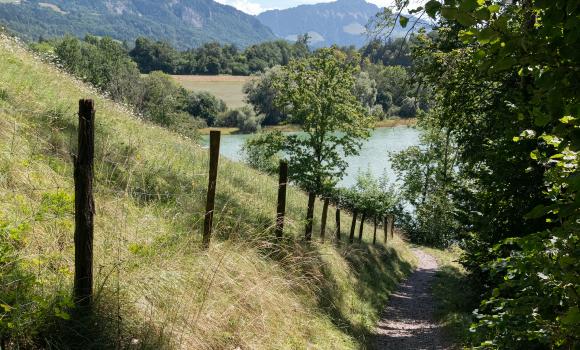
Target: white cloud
column 246, row 6
column 255, row 7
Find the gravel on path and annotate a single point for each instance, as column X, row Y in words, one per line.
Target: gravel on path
column 408, row 321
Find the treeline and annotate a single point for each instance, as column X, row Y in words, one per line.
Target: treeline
column 115, row 69
column 215, row 58
column 106, row 64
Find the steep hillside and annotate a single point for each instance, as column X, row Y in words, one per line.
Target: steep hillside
column 155, row 287
column 341, row 22
column 184, row 23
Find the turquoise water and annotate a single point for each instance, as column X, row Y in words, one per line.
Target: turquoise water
column 373, row 156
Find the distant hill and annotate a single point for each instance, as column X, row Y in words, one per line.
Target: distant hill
column 184, row 23
column 341, row 22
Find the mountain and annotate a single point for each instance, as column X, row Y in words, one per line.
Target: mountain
column 184, row 23
column 341, row 22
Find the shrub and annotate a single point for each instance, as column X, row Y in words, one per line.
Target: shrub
column 243, row 118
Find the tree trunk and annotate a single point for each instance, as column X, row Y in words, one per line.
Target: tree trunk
column 386, row 227
column 375, row 233
column 338, row 224
column 353, row 227
column 323, row 222
column 362, row 226
column 310, row 216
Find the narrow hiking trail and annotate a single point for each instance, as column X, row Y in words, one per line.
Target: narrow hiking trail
column 408, row 321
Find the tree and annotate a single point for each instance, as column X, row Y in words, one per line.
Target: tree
column 260, row 93
column 318, row 94
column 506, row 81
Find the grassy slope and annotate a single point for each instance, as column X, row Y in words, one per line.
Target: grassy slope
column 455, row 299
column 155, row 288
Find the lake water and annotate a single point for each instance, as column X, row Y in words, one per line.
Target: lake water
column 373, row 156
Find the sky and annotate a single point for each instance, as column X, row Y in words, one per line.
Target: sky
column 254, row 7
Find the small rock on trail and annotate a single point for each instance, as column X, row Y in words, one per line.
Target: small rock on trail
column 408, row 321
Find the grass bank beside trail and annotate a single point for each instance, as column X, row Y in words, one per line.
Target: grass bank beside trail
column 155, row 288
column 454, row 296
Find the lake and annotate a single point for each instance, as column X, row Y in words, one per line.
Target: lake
column 374, row 154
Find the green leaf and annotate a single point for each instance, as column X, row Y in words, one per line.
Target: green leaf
column 418, row 9
column 483, row 14
column 567, row 119
column 494, row 8
column 537, row 212
column 465, row 19
column 449, row 12
column 403, row 20
column 487, row 35
column 542, row 119
column 468, row 5
column 432, row 7
column 572, row 317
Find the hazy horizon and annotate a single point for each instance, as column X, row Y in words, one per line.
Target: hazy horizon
column 255, row 7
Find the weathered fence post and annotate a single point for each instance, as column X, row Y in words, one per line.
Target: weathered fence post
column 310, row 216
column 386, row 227
column 281, row 209
column 375, row 232
column 337, row 217
column 362, row 226
column 214, row 154
column 84, row 205
column 323, row 219
column 352, row 227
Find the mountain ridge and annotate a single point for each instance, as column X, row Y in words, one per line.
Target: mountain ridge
column 183, row 23
column 342, row 22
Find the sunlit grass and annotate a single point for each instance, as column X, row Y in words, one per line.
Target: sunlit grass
column 155, row 287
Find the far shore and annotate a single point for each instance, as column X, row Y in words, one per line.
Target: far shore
column 387, row 123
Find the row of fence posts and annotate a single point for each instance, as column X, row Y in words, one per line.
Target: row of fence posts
column 85, row 206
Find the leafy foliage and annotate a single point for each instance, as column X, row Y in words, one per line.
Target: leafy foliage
column 317, row 94
column 506, row 76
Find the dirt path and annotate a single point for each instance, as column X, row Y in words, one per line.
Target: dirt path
column 408, row 319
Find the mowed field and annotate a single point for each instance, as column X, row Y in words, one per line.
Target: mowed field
column 228, row 88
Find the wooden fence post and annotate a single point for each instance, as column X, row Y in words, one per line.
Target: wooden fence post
column 281, row 209
column 337, row 217
column 84, row 205
column 214, row 154
column 393, row 218
column 310, row 216
column 375, row 232
column 386, row 227
column 362, row 226
column 352, row 227
column 323, row 219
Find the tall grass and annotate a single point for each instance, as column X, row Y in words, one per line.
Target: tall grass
column 155, row 288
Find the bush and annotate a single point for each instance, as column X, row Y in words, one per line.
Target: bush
column 243, row 118
column 204, row 105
